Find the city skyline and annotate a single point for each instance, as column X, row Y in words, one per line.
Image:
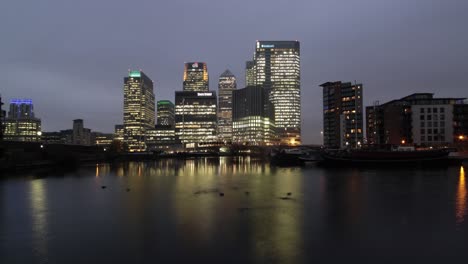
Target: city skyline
column 410, row 48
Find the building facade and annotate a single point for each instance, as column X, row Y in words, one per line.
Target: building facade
column 119, row 132
column 277, row 69
column 342, row 115
column 418, row 119
column 21, row 123
column 253, row 117
column 226, row 85
column 139, row 110
column 160, row 138
column 196, row 77
column 195, row 118
column 165, row 113
column 250, row 73
column 81, row 135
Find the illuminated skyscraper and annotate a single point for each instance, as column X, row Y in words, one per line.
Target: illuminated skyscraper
column 196, row 77
column 250, row 73
column 21, row 124
column 139, row 109
column 277, row 70
column 227, row 84
column 252, row 117
column 342, row 114
column 195, row 116
column 165, row 112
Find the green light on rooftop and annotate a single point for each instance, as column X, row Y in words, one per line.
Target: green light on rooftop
column 134, row 74
column 164, row 102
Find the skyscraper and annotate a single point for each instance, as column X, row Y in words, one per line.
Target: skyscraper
column 165, row 112
column 342, row 114
column 139, row 109
column 21, row 124
column 250, row 73
column 277, row 69
column 195, row 117
column 252, row 117
column 226, row 85
column 196, row 77
column 81, row 135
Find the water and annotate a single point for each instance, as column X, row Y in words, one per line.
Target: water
column 173, row 212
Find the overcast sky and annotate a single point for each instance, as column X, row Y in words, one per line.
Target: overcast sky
column 70, row 56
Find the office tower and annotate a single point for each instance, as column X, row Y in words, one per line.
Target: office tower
column 139, row 109
column 21, row 123
column 277, row 69
column 226, row 85
column 160, row 138
column 196, row 77
column 342, row 115
column 252, row 117
column 81, row 135
column 165, row 113
column 119, row 132
column 418, row 119
column 250, row 73
column 195, row 118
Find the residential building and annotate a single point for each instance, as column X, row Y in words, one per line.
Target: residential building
column 342, row 115
column 418, row 119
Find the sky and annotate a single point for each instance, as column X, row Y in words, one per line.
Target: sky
column 70, row 57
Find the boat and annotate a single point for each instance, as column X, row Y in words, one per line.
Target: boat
column 294, row 156
column 399, row 155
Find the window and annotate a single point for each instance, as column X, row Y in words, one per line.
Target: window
column 434, row 110
column 429, row 138
column 436, row 138
column 442, row 123
column 436, row 131
column 442, row 110
column 429, row 110
column 429, row 117
column 442, row 131
column 436, row 117
column 429, row 131
column 429, row 124
column 421, row 110
column 423, row 138
column 442, row 138
column 442, row 117
column 421, row 117
column 422, row 124
column 423, row 131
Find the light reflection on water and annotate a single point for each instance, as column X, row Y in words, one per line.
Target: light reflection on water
column 168, row 207
column 38, row 203
column 461, row 197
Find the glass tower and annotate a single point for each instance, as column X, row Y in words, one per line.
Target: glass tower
column 227, row 84
column 277, row 69
column 196, row 77
column 21, row 124
column 250, row 73
column 165, row 112
column 139, row 109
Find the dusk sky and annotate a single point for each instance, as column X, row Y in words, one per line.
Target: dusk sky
column 70, row 57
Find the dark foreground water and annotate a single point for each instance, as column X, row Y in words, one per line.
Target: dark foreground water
column 173, row 212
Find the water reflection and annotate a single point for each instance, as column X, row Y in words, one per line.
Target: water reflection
column 460, row 210
column 38, row 206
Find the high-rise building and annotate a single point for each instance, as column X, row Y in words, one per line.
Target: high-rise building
column 2, row 116
column 253, row 120
column 342, row 115
column 139, row 109
column 81, row 135
column 196, row 77
column 195, row 118
column 119, row 132
column 277, row 69
column 226, row 85
column 250, row 73
column 21, row 124
column 165, row 113
column 418, row 119
column 160, row 138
